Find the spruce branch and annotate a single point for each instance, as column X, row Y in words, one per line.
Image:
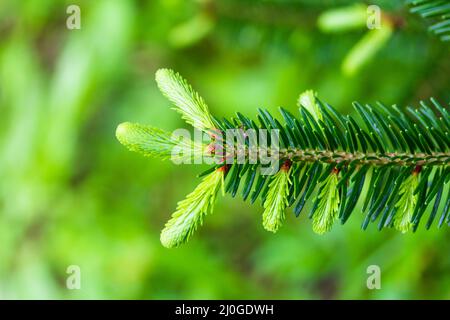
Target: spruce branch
column 191, row 211
column 438, row 11
column 327, row 204
column 154, row 142
column 308, row 100
column 276, row 200
column 406, row 204
column 402, row 157
column 189, row 103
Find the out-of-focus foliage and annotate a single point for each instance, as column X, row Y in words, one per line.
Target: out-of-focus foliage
column 71, row 195
column 379, row 26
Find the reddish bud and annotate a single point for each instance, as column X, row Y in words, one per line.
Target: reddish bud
column 286, row 165
column 224, row 168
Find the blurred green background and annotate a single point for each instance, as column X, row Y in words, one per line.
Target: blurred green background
column 70, row 194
